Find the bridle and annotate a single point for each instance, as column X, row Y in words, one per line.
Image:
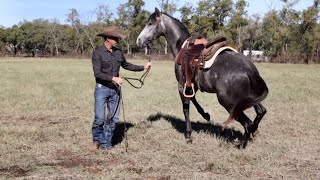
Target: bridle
column 158, row 23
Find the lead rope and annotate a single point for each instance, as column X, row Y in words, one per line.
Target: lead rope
column 124, row 121
column 141, row 80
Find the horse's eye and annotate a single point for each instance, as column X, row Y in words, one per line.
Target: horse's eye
column 150, row 24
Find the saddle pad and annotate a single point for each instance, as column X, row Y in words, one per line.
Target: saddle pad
column 208, row 64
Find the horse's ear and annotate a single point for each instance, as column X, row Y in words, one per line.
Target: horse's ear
column 157, row 11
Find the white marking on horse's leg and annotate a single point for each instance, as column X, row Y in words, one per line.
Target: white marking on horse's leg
column 228, row 121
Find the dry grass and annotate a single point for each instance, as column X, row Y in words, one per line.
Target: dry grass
column 46, row 111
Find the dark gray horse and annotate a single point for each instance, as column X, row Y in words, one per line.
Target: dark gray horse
column 233, row 77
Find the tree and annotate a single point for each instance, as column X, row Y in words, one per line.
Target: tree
column 54, row 34
column 238, row 22
column 132, row 17
column 186, row 12
column 12, row 38
column 223, row 9
column 74, row 19
column 103, row 15
column 169, row 8
column 3, row 40
column 307, row 30
column 252, row 35
column 290, row 19
column 210, row 17
column 34, row 36
column 271, row 36
column 90, row 27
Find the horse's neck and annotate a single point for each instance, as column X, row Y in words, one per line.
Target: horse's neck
column 174, row 34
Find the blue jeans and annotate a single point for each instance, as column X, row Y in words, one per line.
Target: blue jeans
column 102, row 127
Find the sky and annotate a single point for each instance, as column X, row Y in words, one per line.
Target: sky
column 15, row 11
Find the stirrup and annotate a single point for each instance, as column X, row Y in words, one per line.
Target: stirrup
column 184, row 91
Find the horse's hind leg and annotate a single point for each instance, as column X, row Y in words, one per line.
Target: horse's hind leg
column 246, row 123
column 261, row 111
column 205, row 115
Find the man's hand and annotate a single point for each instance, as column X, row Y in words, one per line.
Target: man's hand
column 147, row 65
column 117, row 80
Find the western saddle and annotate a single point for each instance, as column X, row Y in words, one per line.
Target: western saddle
column 192, row 56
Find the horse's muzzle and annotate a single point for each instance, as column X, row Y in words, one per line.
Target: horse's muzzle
column 144, row 43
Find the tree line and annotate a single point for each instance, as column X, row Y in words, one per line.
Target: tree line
column 284, row 35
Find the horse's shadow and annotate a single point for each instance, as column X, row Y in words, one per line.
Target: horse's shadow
column 119, row 132
column 228, row 135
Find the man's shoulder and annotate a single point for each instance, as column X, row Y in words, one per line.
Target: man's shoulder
column 116, row 49
column 103, row 48
column 100, row 48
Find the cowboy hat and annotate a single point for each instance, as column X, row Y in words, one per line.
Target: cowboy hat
column 112, row 31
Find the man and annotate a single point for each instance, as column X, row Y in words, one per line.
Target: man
column 106, row 62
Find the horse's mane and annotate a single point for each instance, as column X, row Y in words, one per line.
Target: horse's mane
column 180, row 24
column 184, row 35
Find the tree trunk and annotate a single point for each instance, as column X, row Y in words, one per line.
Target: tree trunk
column 53, row 34
column 14, row 51
column 166, row 48
column 128, row 48
column 146, row 51
column 88, row 36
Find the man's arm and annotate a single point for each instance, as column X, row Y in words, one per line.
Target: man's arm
column 96, row 64
column 128, row 66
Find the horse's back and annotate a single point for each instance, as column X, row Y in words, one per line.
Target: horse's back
column 235, row 62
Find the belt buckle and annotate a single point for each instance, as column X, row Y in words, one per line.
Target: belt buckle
column 99, row 85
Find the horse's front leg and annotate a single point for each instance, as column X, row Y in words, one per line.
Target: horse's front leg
column 186, row 107
column 205, row 115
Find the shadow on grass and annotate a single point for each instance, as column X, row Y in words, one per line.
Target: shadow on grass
column 119, row 132
column 229, row 135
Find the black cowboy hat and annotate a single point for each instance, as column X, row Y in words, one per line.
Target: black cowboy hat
column 112, row 31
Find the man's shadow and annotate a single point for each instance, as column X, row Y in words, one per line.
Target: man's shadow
column 119, row 132
column 229, row 135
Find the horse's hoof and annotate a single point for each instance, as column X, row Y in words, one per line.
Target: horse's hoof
column 242, row 144
column 206, row 116
column 255, row 133
column 189, row 140
column 251, row 137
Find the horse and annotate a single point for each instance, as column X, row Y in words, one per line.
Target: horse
column 232, row 76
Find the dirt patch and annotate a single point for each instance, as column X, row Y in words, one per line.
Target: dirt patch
column 23, row 147
column 61, row 154
column 76, row 161
column 13, row 171
column 69, row 159
column 136, row 170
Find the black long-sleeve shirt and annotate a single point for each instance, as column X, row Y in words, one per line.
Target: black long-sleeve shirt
column 106, row 64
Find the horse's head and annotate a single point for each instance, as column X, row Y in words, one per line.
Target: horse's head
column 152, row 30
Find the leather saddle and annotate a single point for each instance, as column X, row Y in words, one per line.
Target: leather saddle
column 192, row 56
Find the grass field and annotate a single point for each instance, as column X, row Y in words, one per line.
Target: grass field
column 46, row 112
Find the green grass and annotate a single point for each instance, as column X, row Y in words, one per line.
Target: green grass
column 46, row 111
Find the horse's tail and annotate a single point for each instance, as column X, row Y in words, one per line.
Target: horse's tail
column 259, row 92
